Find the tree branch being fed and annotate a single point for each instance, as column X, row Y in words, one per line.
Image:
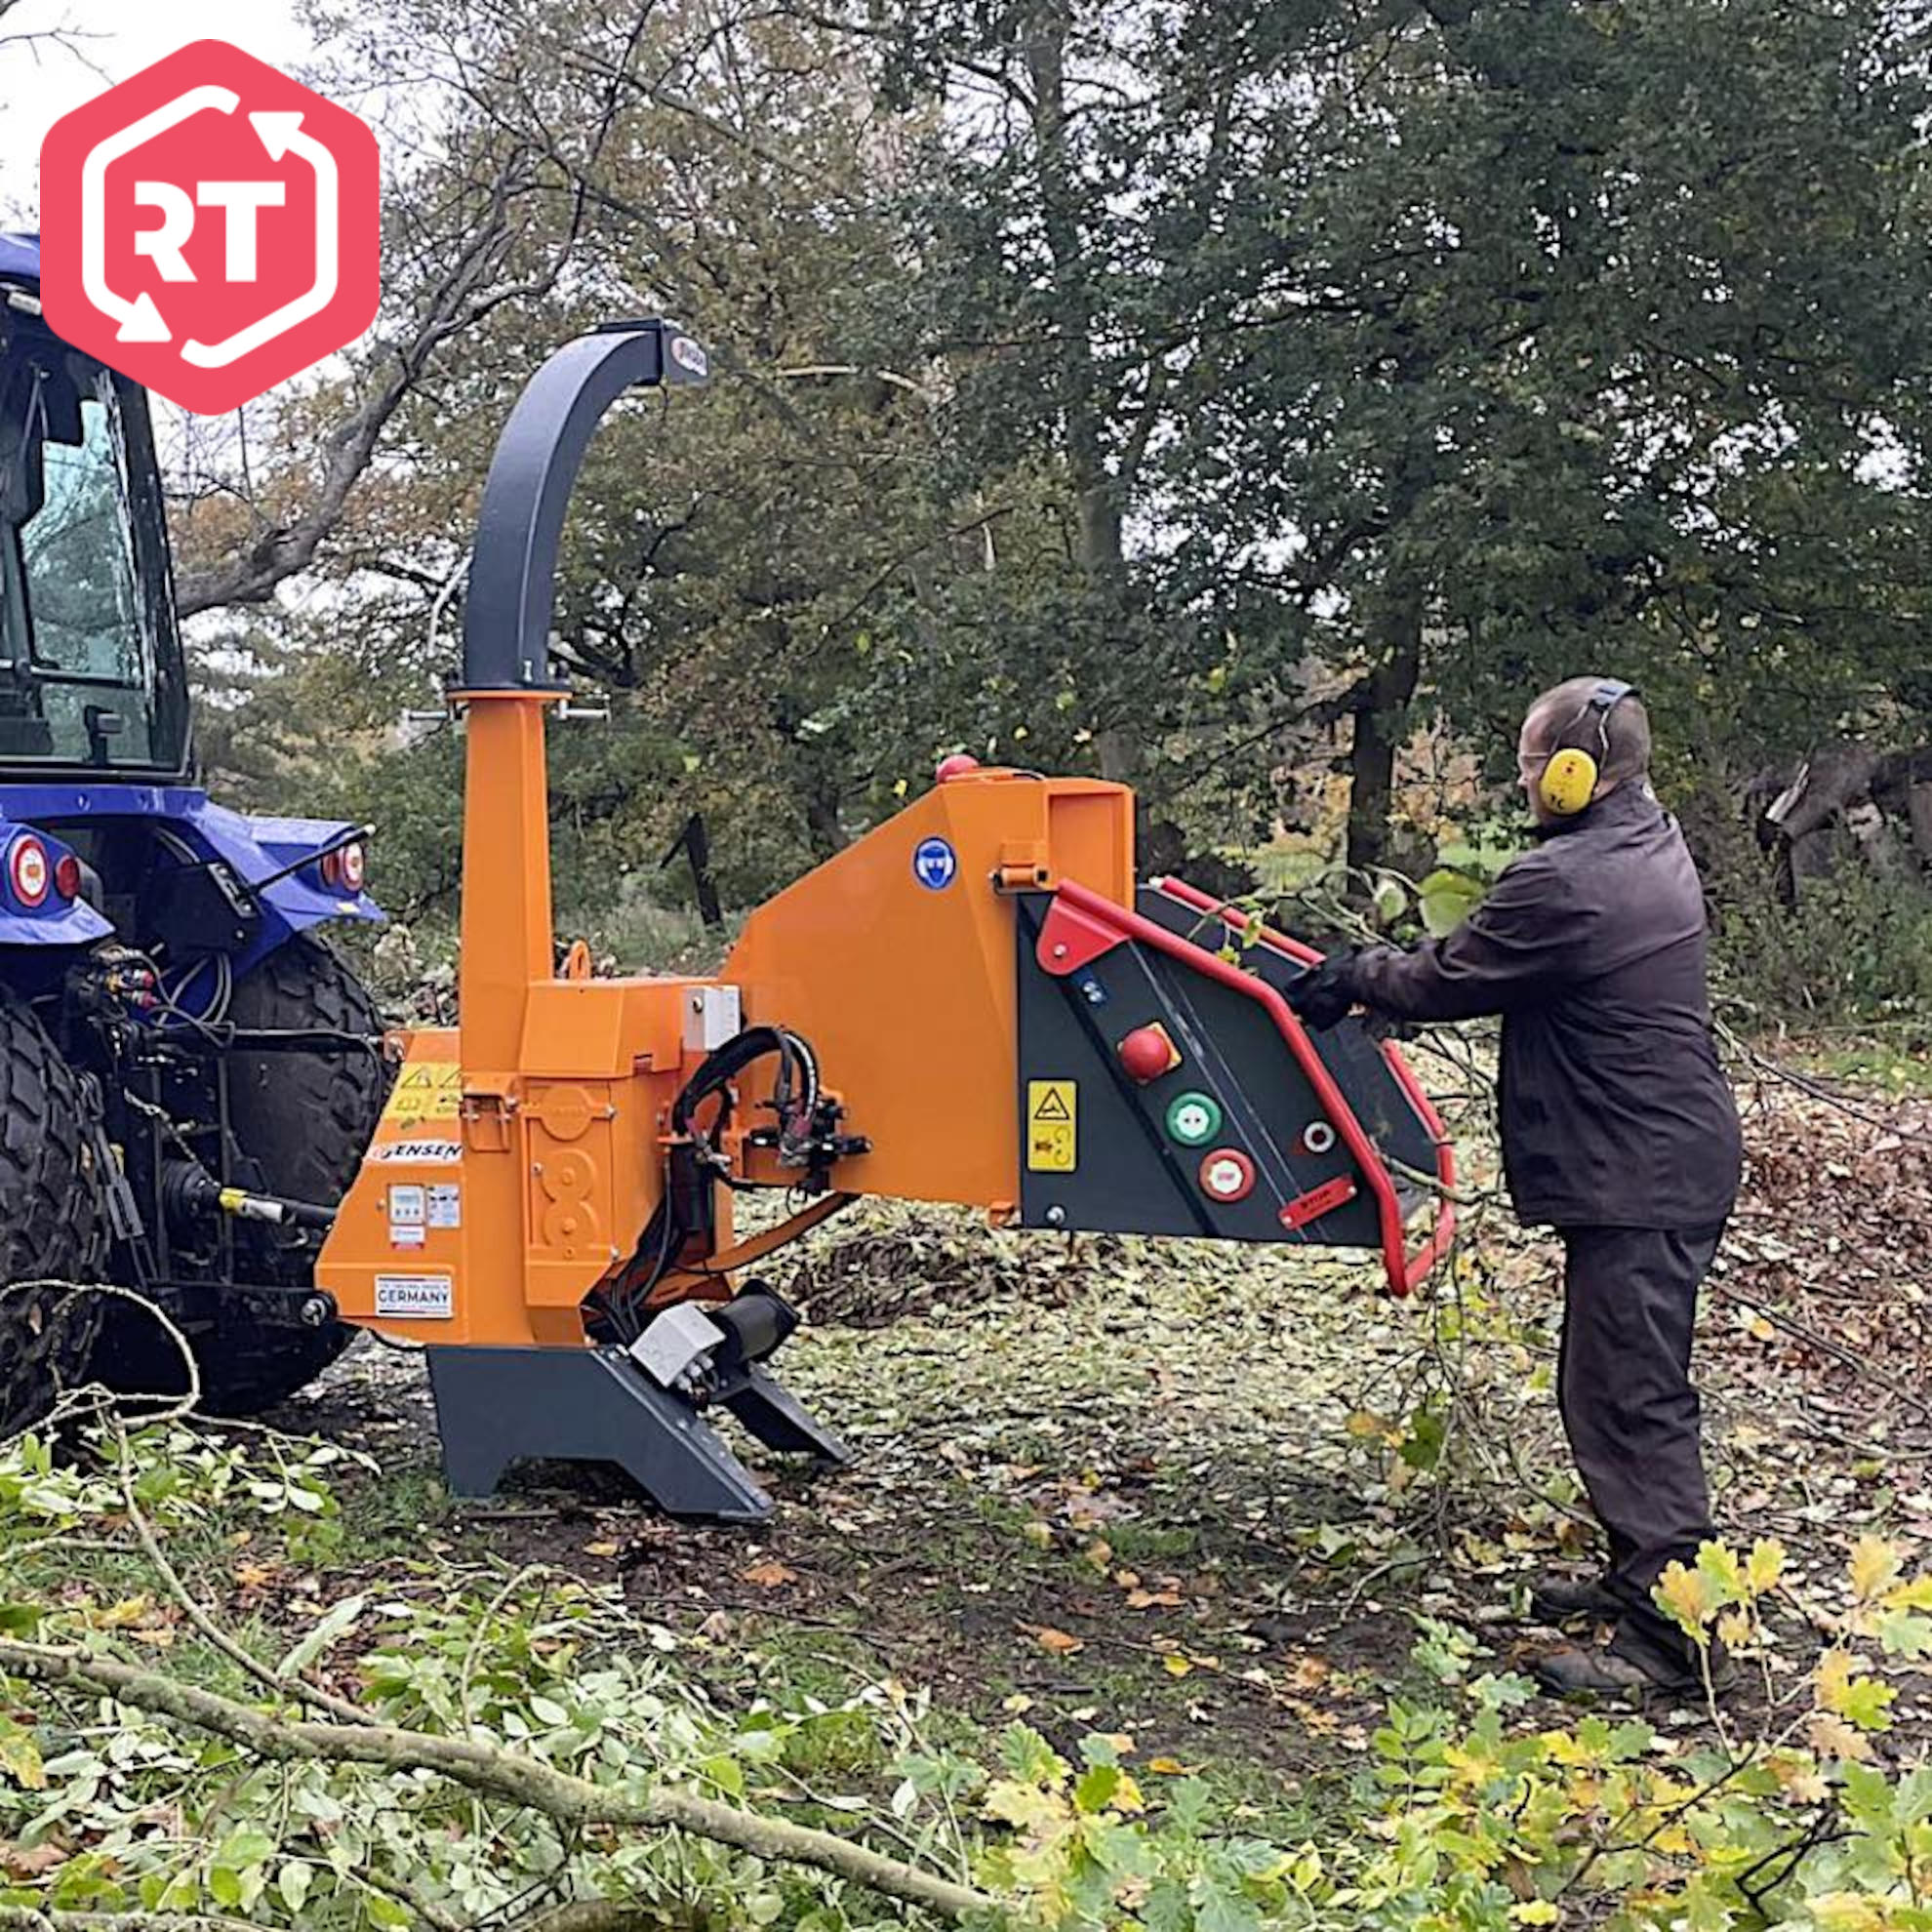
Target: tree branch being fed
column 486, row 1769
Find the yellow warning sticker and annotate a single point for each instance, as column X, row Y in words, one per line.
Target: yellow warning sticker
column 1052, row 1126
column 426, row 1090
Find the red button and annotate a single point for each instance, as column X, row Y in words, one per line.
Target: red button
column 1227, row 1175
column 1147, row 1053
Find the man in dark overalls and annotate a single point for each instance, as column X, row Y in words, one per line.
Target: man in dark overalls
column 1619, row 1131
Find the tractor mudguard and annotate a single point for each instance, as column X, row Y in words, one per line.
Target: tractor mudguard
column 262, row 854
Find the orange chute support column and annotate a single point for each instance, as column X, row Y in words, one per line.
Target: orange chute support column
column 431, row 1241
column 508, row 945
column 508, row 942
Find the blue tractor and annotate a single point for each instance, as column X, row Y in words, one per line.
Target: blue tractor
column 188, row 1074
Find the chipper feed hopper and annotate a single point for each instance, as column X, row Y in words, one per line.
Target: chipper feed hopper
column 974, row 1003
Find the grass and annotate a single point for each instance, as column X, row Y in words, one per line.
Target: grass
column 1901, row 1067
column 388, row 1517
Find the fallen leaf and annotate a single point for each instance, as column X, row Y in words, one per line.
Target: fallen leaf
column 1874, row 1567
column 31, row 1861
column 1061, row 1643
column 600, row 1550
column 768, row 1575
column 1832, row 1737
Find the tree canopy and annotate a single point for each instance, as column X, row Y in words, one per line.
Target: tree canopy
column 1212, row 396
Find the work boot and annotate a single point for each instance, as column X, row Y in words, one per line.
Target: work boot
column 1562, row 1599
column 1634, row 1665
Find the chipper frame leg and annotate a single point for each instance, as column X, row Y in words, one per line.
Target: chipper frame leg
column 974, row 1003
column 499, row 1406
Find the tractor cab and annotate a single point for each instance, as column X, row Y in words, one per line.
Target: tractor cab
column 91, row 674
column 188, row 1075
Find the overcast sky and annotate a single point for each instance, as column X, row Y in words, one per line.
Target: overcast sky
column 39, row 81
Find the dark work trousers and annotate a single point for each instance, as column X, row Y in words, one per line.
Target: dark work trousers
column 1629, row 1405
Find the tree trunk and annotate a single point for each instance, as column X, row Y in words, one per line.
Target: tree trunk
column 1100, row 542
column 1382, row 725
column 1919, row 810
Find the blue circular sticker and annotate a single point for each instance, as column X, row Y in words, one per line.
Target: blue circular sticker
column 935, row 863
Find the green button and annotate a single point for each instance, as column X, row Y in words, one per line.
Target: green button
column 1193, row 1119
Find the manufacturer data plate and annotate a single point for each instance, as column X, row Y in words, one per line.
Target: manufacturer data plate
column 415, row 1296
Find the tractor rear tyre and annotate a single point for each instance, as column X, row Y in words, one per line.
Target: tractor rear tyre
column 53, row 1221
column 305, row 1119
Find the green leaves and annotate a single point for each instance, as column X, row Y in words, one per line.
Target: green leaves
column 1446, row 899
column 334, row 1625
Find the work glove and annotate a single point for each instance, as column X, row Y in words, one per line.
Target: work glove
column 1322, row 996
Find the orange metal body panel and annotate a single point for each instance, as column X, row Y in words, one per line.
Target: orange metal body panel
column 907, row 993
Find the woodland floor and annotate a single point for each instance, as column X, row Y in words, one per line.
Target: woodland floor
column 1211, row 1498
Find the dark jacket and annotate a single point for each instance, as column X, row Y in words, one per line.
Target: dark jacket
column 1615, row 1110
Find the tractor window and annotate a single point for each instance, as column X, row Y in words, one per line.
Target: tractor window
column 78, row 683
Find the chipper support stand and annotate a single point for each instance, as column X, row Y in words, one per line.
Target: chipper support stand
column 974, row 1003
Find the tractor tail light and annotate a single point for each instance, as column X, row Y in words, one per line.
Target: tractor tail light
column 29, row 873
column 346, row 867
column 67, row 875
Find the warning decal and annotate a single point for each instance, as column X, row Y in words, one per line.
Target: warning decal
column 426, row 1090
column 1052, row 1126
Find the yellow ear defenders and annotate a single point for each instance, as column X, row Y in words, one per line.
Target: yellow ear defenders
column 1570, row 772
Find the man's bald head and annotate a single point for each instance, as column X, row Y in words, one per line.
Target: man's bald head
column 1565, row 720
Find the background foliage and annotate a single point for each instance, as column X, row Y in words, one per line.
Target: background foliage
column 1254, row 403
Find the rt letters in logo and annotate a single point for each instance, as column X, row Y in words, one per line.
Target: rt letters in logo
column 210, row 227
column 935, row 863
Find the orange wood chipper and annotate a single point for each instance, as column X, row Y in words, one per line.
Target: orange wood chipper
column 974, row 1003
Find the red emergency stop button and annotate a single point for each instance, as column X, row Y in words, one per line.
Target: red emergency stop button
column 1147, row 1052
column 1227, row 1175
column 956, row 766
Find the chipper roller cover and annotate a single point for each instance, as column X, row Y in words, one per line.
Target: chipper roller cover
column 974, row 1003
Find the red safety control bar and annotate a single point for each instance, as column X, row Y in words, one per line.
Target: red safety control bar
column 1081, row 924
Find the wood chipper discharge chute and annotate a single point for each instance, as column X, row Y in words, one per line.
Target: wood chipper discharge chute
column 974, row 1003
